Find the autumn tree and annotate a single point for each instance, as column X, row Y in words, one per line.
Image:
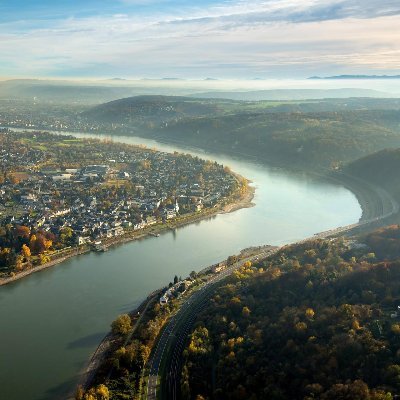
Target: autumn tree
column 122, row 325
column 26, row 251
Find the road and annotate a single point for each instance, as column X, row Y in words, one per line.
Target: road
column 172, row 340
column 166, row 359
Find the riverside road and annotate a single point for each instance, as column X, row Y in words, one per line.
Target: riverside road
column 165, row 363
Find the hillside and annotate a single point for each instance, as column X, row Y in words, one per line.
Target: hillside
column 305, row 134
column 313, row 322
column 381, row 168
column 153, row 109
column 310, row 140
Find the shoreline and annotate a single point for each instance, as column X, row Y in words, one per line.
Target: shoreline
column 44, row 266
column 374, row 202
column 245, row 201
column 108, row 342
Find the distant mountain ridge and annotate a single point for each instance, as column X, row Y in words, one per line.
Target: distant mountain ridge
column 357, row 77
column 292, row 94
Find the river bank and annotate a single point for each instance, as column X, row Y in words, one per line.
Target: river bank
column 374, row 201
column 111, row 341
column 52, row 263
column 83, row 295
column 377, row 206
column 237, row 203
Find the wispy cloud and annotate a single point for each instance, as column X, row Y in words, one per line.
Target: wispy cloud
column 225, row 38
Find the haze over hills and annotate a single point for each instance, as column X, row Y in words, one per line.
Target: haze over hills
column 382, row 168
column 74, row 92
column 293, row 94
column 357, row 77
column 101, row 91
column 311, row 134
column 156, row 109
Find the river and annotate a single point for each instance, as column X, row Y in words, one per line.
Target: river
column 52, row 321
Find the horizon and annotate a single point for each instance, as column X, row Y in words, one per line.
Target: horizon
column 382, row 87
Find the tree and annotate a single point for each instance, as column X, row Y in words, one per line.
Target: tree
column 122, row 325
column 392, row 376
column 26, row 252
column 79, row 395
column 32, row 243
column 66, row 235
column 246, row 312
column 396, row 329
column 144, row 354
column 18, row 263
column 38, row 243
column 193, row 275
column 102, row 392
column 99, row 392
column 43, row 259
column 22, row 231
column 357, row 390
column 310, row 313
column 231, row 260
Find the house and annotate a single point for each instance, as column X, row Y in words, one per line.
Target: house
column 151, row 220
column 59, row 213
column 81, row 240
column 29, row 198
column 118, row 231
column 218, row 268
column 124, row 175
column 176, row 206
column 62, row 177
column 139, row 225
column 99, row 170
column 169, row 214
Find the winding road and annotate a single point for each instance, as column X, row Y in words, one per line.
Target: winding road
column 165, row 363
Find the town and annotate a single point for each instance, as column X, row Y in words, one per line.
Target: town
column 60, row 192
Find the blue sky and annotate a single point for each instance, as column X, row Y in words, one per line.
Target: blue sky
column 188, row 39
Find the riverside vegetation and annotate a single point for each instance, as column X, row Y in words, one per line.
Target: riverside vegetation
column 318, row 320
column 322, row 315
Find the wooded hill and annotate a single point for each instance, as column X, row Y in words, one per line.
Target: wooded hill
column 317, row 321
column 310, row 134
column 381, row 168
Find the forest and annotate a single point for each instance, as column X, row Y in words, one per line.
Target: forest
column 319, row 320
column 310, row 134
column 380, row 168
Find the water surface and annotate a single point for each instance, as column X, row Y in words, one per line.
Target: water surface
column 53, row 320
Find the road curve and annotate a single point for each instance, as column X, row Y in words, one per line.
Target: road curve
column 166, row 358
column 173, row 337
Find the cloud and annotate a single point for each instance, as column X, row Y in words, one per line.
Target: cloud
column 298, row 37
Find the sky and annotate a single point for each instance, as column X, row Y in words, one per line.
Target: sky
column 231, row 39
